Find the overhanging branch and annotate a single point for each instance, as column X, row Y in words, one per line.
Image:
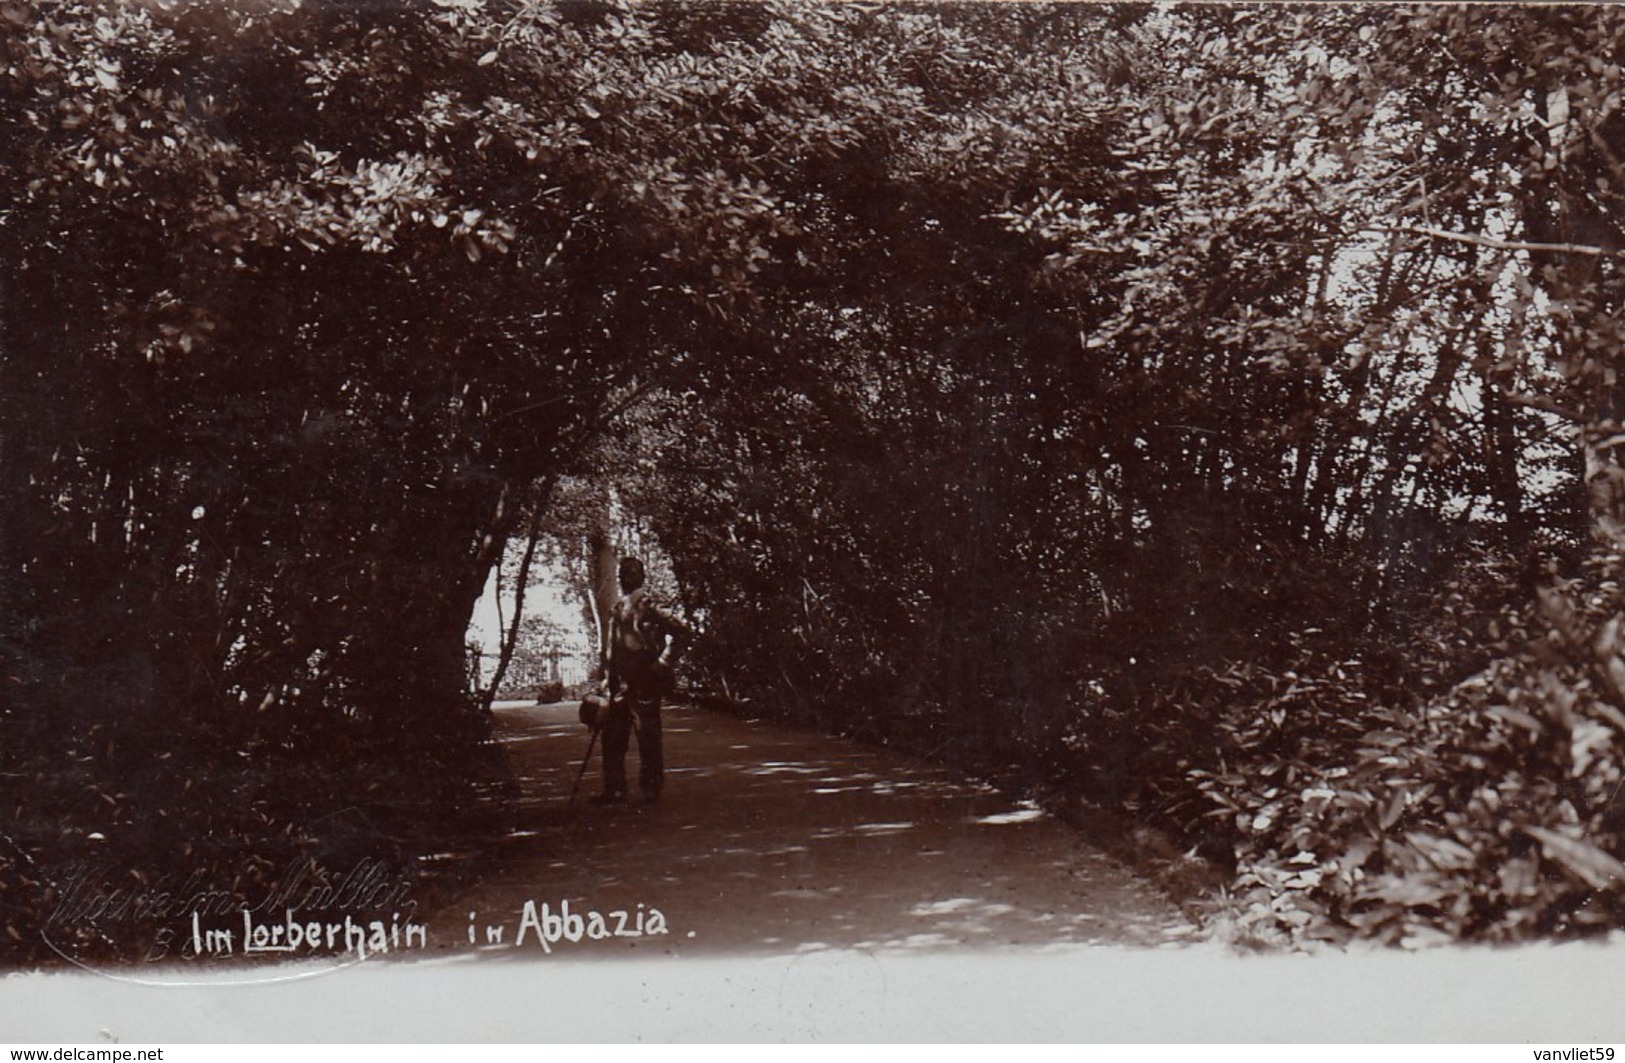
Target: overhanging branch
column 1505, row 245
column 1543, row 404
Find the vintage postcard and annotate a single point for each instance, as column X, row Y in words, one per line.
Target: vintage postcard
column 596, row 520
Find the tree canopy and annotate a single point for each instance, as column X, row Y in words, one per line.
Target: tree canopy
column 1206, row 411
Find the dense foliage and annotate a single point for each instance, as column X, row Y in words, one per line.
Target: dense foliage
column 1204, row 411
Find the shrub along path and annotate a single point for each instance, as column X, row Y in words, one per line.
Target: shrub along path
column 771, row 839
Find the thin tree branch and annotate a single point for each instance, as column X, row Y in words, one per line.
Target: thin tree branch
column 1505, row 245
column 1543, row 404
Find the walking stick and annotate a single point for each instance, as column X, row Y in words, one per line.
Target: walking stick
column 594, row 712
column 584, row 762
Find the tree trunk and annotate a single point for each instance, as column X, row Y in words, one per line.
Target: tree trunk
column 510, row 637
column 601, row 564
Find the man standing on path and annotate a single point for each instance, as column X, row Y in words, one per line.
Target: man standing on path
column 640, row 652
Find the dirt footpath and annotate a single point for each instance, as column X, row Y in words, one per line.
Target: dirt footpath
column 775, row 840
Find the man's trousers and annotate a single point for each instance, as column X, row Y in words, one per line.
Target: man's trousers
column 637, row 706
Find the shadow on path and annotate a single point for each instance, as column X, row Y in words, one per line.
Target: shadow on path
column 776, row 840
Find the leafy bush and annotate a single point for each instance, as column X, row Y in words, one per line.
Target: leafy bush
column 1486, row 810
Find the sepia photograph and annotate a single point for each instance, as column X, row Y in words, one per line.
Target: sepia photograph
column 577, row 520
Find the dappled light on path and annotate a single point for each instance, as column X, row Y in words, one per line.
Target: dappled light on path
column 772, row 839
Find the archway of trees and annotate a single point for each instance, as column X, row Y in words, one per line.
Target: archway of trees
column 1205, row 414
